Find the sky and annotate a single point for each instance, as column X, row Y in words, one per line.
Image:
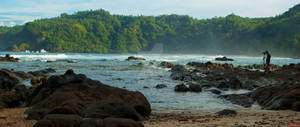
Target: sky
column 14, row 12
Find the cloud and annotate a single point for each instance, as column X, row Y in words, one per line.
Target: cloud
column 10, row 24
column 35, row 9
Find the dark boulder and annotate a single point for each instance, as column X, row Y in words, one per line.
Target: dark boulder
column 70, row 107
column 8, row 80
column 53, row 94
column 235, row 84
column 16, row 97
column 239, row 99
column 218, row 92
column 135, row 58
column 179, row 72
column 178, row 68
column 109, row 122
column 279, row 97
column 43, row 72
column 181, row 88
column 182, row 76
column 167, row 64
column 117, row 122
column 60, row 120
column 160, row 86
column 227, row 112
column 35, row 81
column 105, row 109
column 223, row 59
column 23, row 75
column 195, row 87
column 12, row 92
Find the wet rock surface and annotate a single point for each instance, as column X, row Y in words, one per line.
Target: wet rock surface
column 166, row 64
column 195, row 87
column 42, row 73
column 12, row 92
column 75, row 94
column 135, row 58
column 279, row 97
column 59, row 120
column 239, row 99
column 51, row 98
column 181, row 88
column 160, row 86
column 264, row 88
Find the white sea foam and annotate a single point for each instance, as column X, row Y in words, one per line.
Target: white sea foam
column 33, row 57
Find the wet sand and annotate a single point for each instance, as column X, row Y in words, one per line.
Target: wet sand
column 245, row 118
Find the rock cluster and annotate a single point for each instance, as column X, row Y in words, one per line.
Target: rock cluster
column 83, row 98
column 12, row 91
column 72, row 100
column 270, row 90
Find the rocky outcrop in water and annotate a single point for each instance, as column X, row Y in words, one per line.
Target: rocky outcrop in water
column 135, row 58
column 8, row 58
column 160, row 86
column 166, row 64
column 75, row 94
column 263, row 87
column 181, row 88
column 223, row 59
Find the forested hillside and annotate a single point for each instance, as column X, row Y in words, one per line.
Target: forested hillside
column 100, row 32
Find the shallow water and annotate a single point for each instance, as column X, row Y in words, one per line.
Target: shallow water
column 114, row 70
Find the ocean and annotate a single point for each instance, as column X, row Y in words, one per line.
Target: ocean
column 114, row 70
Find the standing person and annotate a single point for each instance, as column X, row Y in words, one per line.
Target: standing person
column 264, row 59
column 268, row 60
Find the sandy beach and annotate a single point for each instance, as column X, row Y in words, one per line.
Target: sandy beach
column 245, row 118
column 250, row 118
